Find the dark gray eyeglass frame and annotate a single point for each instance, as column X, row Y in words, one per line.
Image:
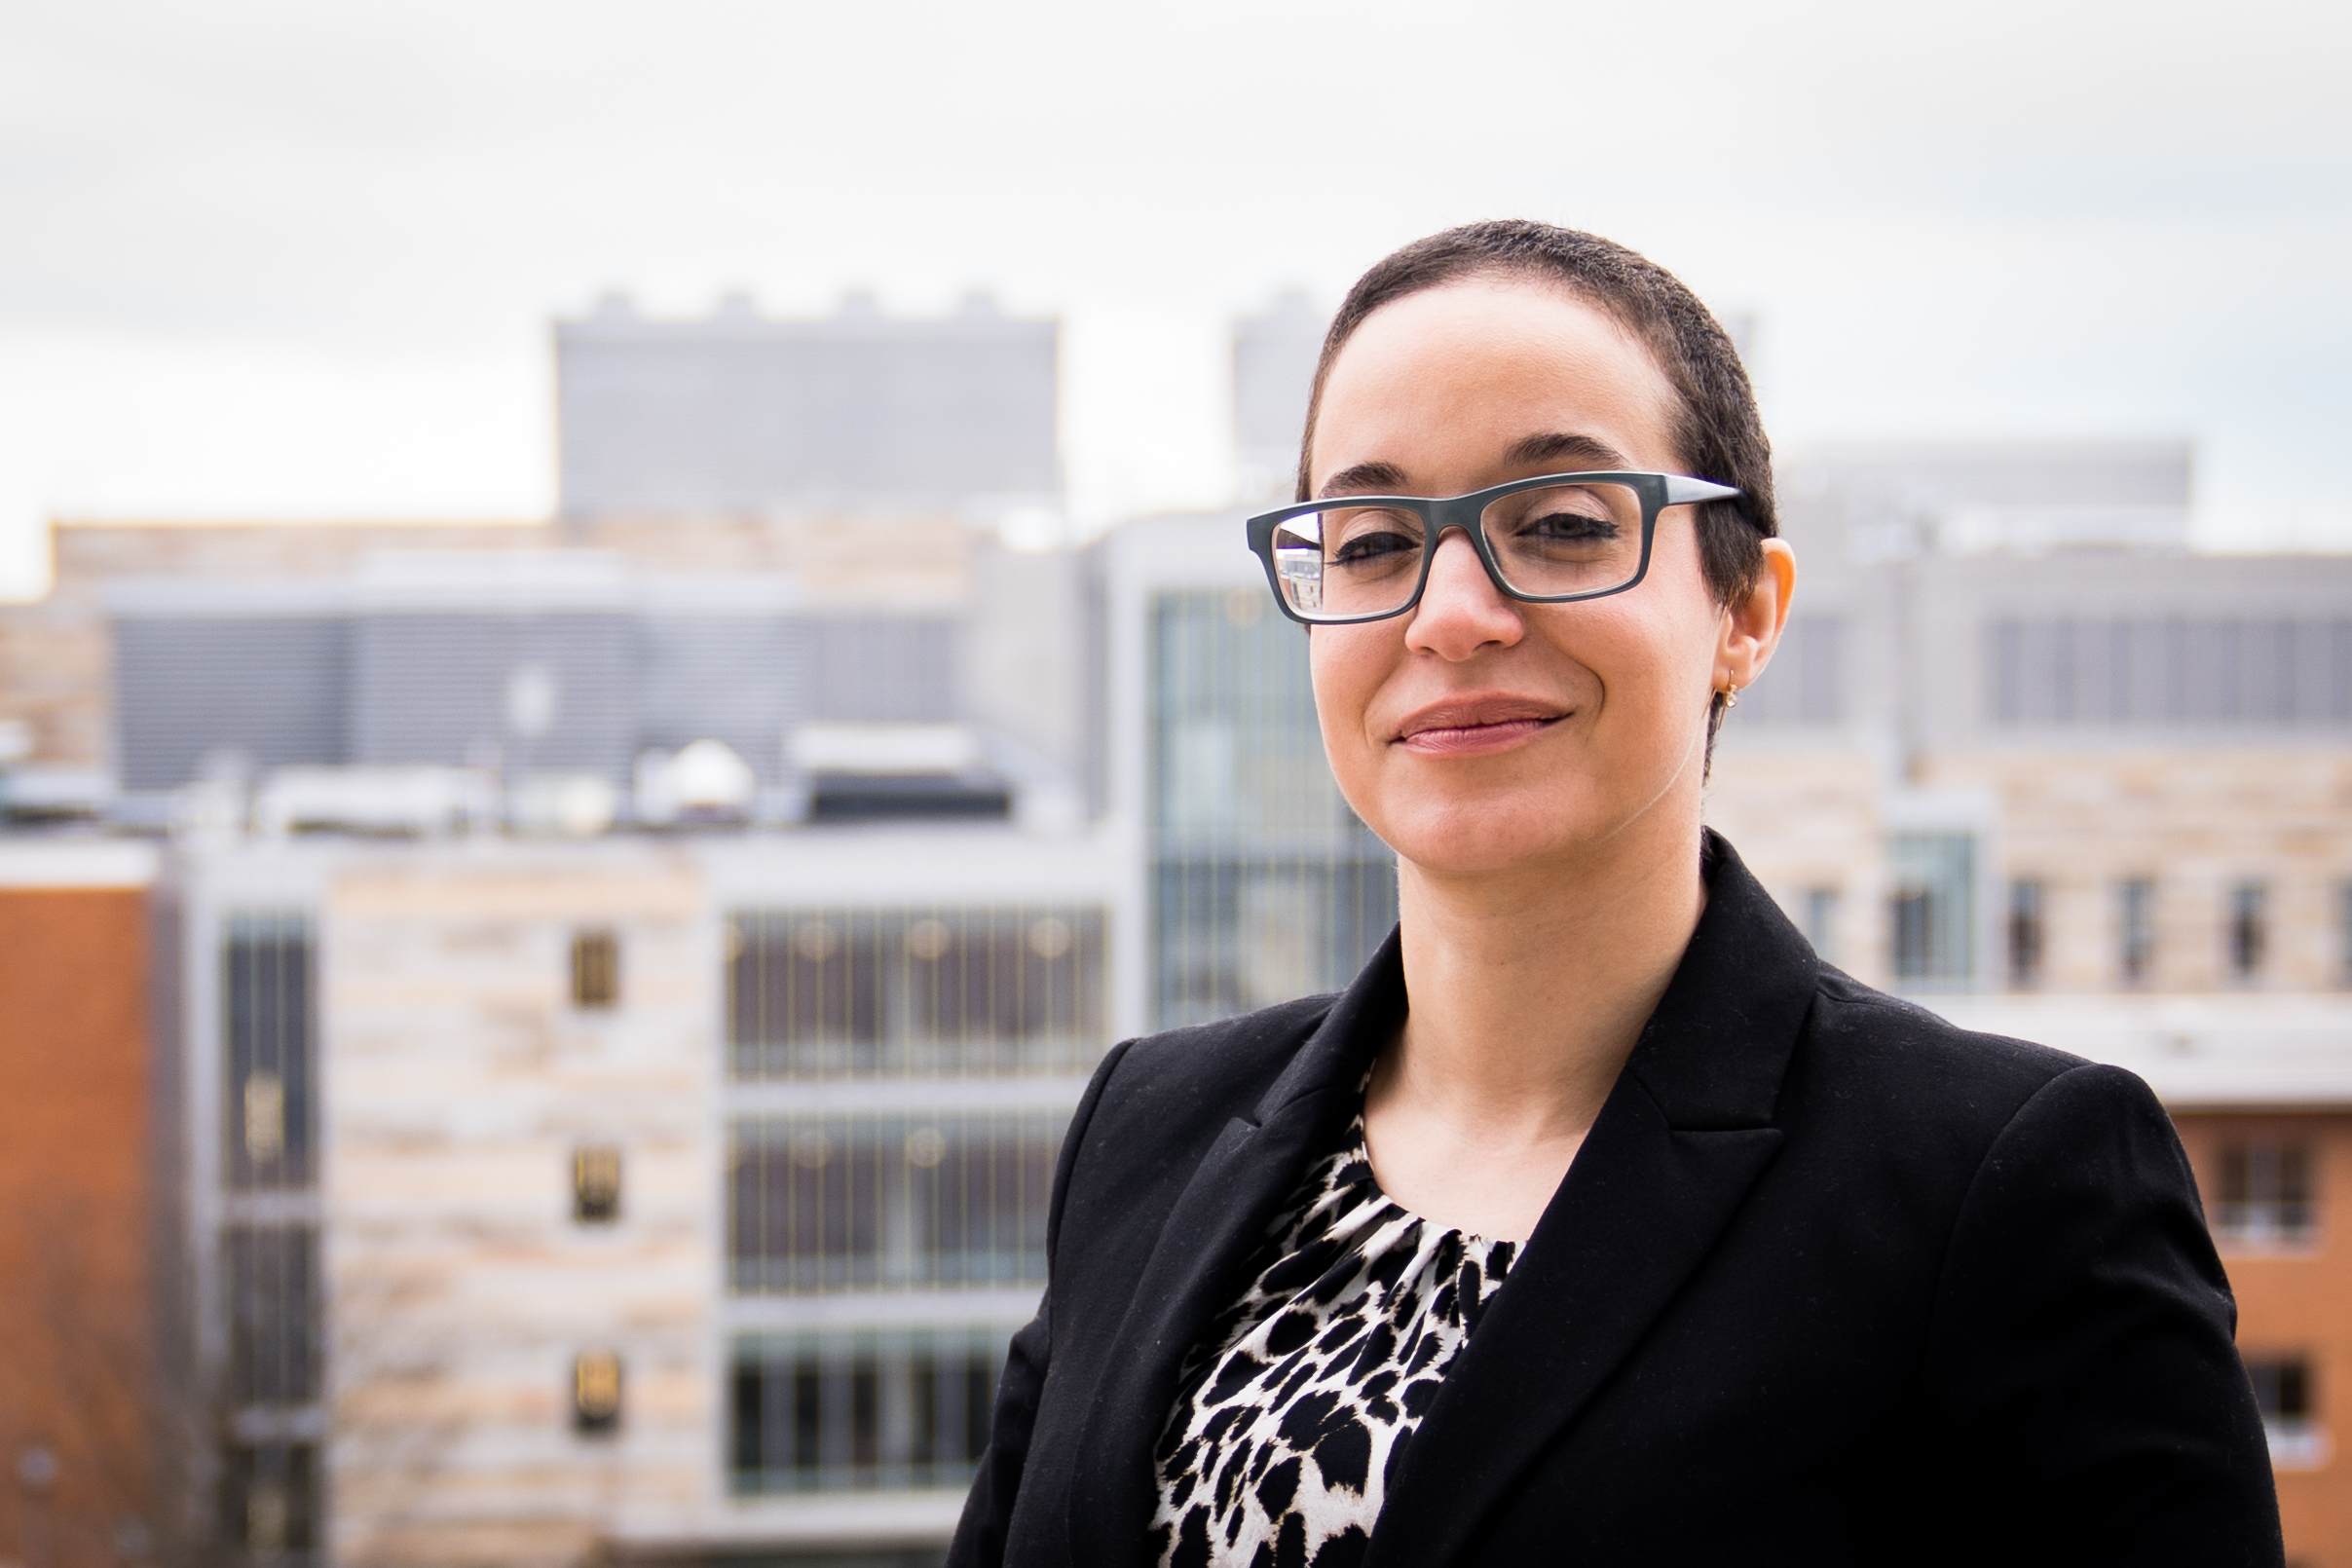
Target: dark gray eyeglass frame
column 1441, row 513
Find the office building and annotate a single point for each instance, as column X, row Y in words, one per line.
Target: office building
column 738, row 415
column 1274, row 354
column 663, row 1195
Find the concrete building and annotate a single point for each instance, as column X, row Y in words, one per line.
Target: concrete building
column 669, row 1195
column 1274, row 354
column 739, row 414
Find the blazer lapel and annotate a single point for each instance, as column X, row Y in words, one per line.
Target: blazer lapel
column 1196, row 1267
column 1680, row 1139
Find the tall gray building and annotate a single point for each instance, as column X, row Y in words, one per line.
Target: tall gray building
column 1273, row 355
column 738, row 414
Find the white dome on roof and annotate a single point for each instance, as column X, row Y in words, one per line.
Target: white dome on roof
column 710, row 775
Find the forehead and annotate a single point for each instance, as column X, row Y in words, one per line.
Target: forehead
column 1450, row 377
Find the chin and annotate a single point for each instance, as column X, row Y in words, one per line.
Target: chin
column 1475, row 837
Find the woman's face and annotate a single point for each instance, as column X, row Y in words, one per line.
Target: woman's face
column 1476, row 732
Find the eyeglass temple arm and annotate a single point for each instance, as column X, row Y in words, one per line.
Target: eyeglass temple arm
column 1682, row 491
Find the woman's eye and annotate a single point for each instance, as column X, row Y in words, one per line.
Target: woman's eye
column 1374, row 545
column 1567, row 526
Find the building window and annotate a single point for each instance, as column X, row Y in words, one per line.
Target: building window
column 596, row 1391
column 269, row 1501
column 863, row 1411
column 819, row 1204
column 267, row 1056
column 2025, row 933
column 2343, row 933
column 595, row 969
column 2283, row 1392
column 1264, row 885
column 1233, row 934
column 1818, row 907
column 2167, row 671
column 2249, row 930
column 1934, row 912
column 827, row 992
column 2266, row 1194
column 596, row 1184
column 271, row 1278
column 2136, row 930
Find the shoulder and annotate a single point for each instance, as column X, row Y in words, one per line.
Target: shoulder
column 1179, row 1081
column 1871, row 1041
column 1155, row 1108
column 1895, row 1083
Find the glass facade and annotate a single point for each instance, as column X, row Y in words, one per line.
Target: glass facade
column 269, row 1504
column 1934, row 913
column 827, row 1203
column 945, row 993
column 269, row 1095
column 266, row 1250
column 1264, row 885
column 272, row 1273
column 900, row 1079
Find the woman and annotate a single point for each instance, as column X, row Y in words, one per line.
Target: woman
column 1597, row 1221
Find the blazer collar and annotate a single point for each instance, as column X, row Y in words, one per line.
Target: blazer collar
column 1713, row 1054
column 1196, row 1267
column 1679, row 1142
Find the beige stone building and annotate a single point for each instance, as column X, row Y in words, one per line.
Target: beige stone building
column 663, row 1197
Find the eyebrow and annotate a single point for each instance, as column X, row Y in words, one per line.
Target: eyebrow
column 1365, row 479
column 1552, row 446
column 1589, row 451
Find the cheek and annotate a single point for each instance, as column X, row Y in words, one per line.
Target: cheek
column 1347, row 666
column 1669, row 654
column 1659, row 640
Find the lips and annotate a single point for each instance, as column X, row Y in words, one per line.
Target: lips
column 1469, row 727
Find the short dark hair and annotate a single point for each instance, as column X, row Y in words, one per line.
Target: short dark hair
column 1717, row 431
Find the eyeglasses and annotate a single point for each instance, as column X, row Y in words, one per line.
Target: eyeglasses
column 1550, row 540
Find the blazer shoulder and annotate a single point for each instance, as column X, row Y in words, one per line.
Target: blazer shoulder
column 1863, row 1035
column 1234, row 1059
column 1157, row 1108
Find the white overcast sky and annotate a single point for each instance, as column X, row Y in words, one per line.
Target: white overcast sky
column 299, row 259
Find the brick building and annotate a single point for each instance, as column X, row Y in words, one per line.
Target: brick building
column 85, row 1429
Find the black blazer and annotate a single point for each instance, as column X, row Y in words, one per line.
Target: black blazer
column 1831, row 1282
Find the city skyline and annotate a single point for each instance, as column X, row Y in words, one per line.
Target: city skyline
column 271, row 264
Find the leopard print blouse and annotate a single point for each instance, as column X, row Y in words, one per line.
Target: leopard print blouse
column 1297, row 1405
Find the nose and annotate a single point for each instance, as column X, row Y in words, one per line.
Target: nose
column 1461, row 609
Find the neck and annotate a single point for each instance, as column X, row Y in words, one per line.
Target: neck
column 1529, row 989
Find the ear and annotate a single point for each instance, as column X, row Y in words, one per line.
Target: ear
column 1752, row 623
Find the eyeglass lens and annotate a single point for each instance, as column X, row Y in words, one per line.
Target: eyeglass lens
column 1349, row 560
